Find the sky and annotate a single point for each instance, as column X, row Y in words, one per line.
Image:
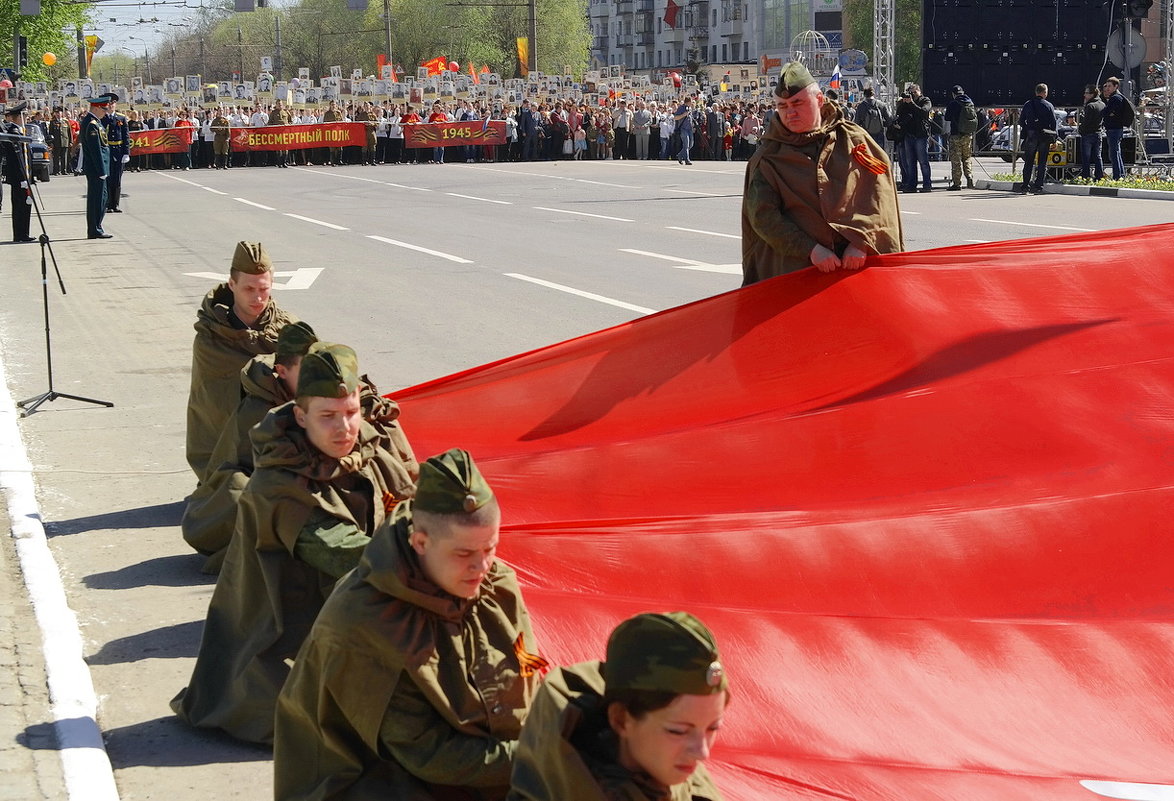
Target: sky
column 135, row 26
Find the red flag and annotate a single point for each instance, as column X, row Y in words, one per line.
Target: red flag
column 435, row 66
column 380, row 60
column 671, row 10
column 484, row 68
column 473, row 72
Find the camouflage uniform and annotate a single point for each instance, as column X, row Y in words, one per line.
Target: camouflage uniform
column 816, row 188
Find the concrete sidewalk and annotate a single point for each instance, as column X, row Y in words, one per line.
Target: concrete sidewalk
column 30, row 767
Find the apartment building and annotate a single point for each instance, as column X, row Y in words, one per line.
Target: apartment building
column 651, row 34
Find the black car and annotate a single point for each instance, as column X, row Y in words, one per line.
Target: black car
column 40, row 160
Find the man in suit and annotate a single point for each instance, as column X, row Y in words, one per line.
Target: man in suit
column 95, row 163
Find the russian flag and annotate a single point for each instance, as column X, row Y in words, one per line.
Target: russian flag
column 835, row 81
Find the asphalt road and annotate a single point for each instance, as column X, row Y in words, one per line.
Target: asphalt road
column 425, row 270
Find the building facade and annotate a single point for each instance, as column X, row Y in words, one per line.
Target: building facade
column 663, row 34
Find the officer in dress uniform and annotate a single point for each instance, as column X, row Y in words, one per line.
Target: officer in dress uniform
column 16, row 173
column 95, row 163
column 118, row 137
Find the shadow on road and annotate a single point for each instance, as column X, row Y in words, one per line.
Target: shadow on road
column 165, row 742
column 169, row 642
column 177, row 570
column 159, row 515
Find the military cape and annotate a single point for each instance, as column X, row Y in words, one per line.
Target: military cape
column 266, row 599
column 219, row 352
column 567, row 751
column 392, row 659
column 811, row 188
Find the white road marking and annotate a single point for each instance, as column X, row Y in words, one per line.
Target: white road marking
column 584, row 214
column 316, row 222
column 977, row 241
column 903, row 211
column 410, row 246
column 691, row 192
column 301, row 278
column 183, row 180
column 689, row 264
column 214, row 191
column 251, row 203
column 558, row 178
column 482, row 199
column 589, row 295
column 1031, row 225
column 361, row 178
column 74, row 704
column 699, row 231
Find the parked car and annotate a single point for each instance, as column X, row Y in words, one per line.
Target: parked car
column 40, row 160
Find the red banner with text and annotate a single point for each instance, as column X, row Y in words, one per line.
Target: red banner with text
column 299, row 137
column 164, row 140
column 446, row 134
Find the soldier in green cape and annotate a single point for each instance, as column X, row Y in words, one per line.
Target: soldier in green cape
column 416, row 678
column 236, row 322
column 818, row 191
column 324, row 479
column 637, row 727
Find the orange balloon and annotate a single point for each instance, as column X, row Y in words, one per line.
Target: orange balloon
column 48, row 59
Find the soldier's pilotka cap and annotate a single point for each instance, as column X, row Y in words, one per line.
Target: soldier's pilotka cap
column 795, row 77
column 328, row 371
column 295, row 339
column 450, row 484
column 672, row 652
column 251, row 258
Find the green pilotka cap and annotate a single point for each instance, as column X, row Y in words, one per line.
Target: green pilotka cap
column 795, row 77
column 295, row 339
column 450, row 484
column 251, row 258
column 672, row 652
column 328, row 371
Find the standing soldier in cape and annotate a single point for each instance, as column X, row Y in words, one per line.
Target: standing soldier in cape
column 236, row 321
column 324, row 480
column 118, row 137
column 418, row 673
column 95, row 163
column 221, row 128
column 280, row 116
column 819, row 190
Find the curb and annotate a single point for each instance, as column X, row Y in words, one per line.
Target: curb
column 1082, row 191
column 73, row 703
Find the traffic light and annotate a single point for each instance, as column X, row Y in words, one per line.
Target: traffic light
column 22, row 52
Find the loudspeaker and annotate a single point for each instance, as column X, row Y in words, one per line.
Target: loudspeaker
column 998, row 50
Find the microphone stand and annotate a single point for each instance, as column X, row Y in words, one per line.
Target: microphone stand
column 29, row 405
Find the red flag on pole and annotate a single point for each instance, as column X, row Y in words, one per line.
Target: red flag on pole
column 473, row 72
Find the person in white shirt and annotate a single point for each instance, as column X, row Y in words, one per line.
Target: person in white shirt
column 395, row 135
column 206, row 137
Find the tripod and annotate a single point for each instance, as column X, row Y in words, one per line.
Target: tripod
column 29, row 405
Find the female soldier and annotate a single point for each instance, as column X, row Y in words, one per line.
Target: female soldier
column 635, row 728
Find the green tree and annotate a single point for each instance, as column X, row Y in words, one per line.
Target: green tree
column 858, row 34
column 46, row 33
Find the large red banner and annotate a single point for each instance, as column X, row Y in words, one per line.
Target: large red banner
column 925, row 507
column 299, row 137
column 163, row 140
column 447, row 134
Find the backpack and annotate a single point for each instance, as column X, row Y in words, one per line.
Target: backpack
column 873, row 119
column 968, row 119
column 1127, row 113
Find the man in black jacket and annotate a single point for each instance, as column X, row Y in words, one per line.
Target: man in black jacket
column 913, row 117
column 1118, row 116
column 1090, row 130
column 1037, row 123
